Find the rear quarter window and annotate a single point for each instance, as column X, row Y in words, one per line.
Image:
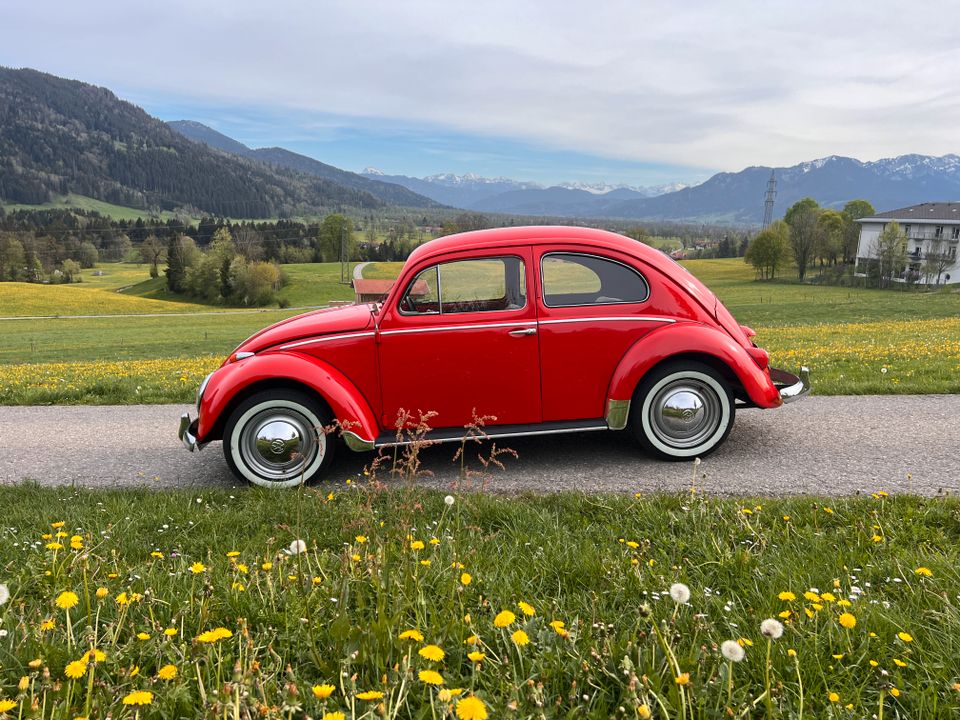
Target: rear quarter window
column 572, row 279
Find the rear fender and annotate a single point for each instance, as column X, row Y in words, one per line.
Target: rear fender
column 346, row 402
column 691, row 339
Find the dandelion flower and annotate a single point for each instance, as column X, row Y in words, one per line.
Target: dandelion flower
column 926, row 572
column 471, row 708
column 361, row 538
column 833, row 697
column 431, row 677
column 412, row 635
column 895, row 692
column 7, row 705
column 848, row 620
column 102, row 592
column 432, row 653
column 787, row 596
column 95, row 655
column 138, row 697
column 212, row 636
column 322, row 692
column 520, row 638
column 504, row 618
column 899, row 663
column 526, row 608
column 732, row 650
column 170, row 632
column 297, row 547
column 811, row 596
column 771, row 628
column 67, row 600
column 167, row 672
column 143, row 636
column 906, row 637
column 267, row 566
column 417, row 545
column 333, row 716
column 4, row 593
column 680, row 593
column 449, row 500
column 76, row 670
column 48, row 624
column 369, row 695
column 197, row 568
column 476, row 656
column 643, row 712
column 466, row 579
column 682, row 679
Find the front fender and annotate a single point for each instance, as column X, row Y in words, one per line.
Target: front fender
column 686, row 339
column 346, row 402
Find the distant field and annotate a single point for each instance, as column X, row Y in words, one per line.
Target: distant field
column 30, row 299
column 81, row 202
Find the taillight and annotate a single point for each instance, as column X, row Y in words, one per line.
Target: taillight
column 760, row 356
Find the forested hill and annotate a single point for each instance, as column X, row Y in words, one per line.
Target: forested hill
column 61, row 136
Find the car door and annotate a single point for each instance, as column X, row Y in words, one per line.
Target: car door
column 593, row 305
column 462, row 340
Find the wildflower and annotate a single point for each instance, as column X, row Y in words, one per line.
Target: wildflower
column 426, row 563
column 430, row 677
column 504, row 618
column 361, row 538
column 680, row 593
column 874, row 663
column 449, row 500
column 122, row 599
column 926, row 572
column 54, row 546
column 143, row 636
column 411, row 635
column 48, row 624
column 811, row 596
column 138, row 697
column 787, row 596
column 771, row 628
column 242, row 568
column 876, row 538
column 212, row 636
column 355, row 557
column 643, row 712
column 520, row 638
column 526, row 608
column 167, row 672
column 791, row 652
column 431, row 652
column 471, row 708
column 417, row 545
column 333, row 715
column 833, row 697
column 784, row 614
column 197, row 568
column 24, row 683
column 4, row 593
column 899, row 663
column 57, row 525
column 732, row 650
column 233, row 554
column 466, row 579
column 828, row 596
column 632, row 544
column 906, row 637
column 476, row 656
column 322, row 692
column 894, row 692
column 297, row 547
column 369, row 695
column 170, row 632
column 434, row 541
column 472, row 640
column 7, row 705
column 67, row 600
column 95, row 655
column 848, row 620
column 682, row 679
column 238, row 586
column 76, row 670
column 102, row 592
column 268, row 566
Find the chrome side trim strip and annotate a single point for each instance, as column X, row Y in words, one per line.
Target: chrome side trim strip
column 497, row 436
column 618, row 411
column 619, row 318
column 325, row 338
column 478, row 326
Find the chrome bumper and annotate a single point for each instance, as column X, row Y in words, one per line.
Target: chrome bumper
column 187, row 433
column 791, row 387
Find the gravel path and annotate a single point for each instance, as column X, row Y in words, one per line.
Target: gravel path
column 822, row 445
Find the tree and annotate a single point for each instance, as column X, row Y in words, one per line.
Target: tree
column 769, row 250
column 853, row 211
column 829, row 238
column 802, row 218
column 153, row 253
column 222, row 252
column 248, row 243
column 890, row 250
column 88, row 254
column 13, row 259
column 334, row 230
column 937, row 259
column 182, row 252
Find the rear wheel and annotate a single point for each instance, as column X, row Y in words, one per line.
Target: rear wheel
column 682, row 410
column 275, row 439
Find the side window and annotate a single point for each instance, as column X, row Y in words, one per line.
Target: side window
column 482, row 285
column 571, row 279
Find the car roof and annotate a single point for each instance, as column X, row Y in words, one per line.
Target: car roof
column 543, row 235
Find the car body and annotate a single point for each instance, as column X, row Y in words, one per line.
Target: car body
column 546, row 329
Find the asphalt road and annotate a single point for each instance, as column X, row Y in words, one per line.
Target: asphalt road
column 821, row 445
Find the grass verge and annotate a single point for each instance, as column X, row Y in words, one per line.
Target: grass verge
column 534, row 606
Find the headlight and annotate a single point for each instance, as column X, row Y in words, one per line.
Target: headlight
column 200, row 389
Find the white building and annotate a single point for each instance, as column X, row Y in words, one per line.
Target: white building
column 932, row 232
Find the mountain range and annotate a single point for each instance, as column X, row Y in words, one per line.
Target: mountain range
column 62, row 136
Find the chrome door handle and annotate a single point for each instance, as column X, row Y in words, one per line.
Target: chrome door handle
column 522, row 332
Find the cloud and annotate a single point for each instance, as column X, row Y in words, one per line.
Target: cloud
column 704, row 84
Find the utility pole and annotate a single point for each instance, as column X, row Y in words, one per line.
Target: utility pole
column 768, row 200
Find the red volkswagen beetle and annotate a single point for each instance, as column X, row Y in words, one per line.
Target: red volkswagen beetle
column 549, row 329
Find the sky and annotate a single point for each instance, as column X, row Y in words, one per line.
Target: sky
column 635, row 92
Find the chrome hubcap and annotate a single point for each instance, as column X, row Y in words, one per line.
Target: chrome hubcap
column 280, row 444
column 685, row 413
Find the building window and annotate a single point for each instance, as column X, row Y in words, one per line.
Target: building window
column 938, row 233
column 955, row 233
column 952, row 252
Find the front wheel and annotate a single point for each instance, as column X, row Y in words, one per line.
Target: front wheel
column 682, row 410
column 275, row 439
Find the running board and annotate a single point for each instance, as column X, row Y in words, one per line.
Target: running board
column 498, row 431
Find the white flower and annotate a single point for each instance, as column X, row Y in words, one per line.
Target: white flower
column 4, row 593
column 732, row 650
column 449, row 500
column 680, row 593
column 297, row 547
column 3, row 633
column 771, row 628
